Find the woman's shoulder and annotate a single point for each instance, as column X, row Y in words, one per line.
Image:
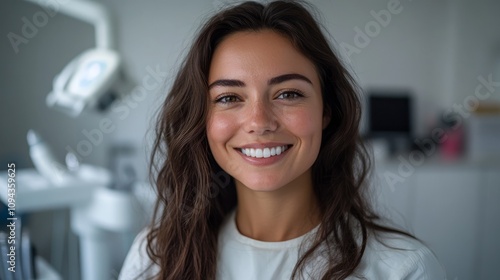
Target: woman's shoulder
column 395, row 256
column 137, row 264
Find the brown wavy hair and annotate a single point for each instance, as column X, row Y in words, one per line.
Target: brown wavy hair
column 195, row 194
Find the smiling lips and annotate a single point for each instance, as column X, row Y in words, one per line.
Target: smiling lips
column 264, row 152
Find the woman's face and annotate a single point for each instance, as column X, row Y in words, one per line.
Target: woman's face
column 266, row 112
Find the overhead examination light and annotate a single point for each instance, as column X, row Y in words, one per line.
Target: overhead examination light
column 93, row 79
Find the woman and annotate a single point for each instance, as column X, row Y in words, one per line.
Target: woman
column 260, row 168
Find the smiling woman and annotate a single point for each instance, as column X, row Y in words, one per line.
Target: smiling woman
column 273, row 102
column 263, row 102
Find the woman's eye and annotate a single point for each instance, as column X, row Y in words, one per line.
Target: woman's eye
column 227, row 99
column 290, row 95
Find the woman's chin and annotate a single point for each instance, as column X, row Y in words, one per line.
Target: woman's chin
column 263, row 185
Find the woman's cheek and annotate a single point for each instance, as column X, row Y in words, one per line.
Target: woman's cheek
column 220, row 128
column 304, row 121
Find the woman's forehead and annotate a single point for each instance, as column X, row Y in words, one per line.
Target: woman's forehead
column 258, row 54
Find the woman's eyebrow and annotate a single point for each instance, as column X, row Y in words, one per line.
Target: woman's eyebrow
column 287, row 77
column 227, row 83
column 272, row 81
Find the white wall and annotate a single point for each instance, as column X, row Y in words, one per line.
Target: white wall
column 477, row 47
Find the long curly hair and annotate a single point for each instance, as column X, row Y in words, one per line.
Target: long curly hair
column 195, row 194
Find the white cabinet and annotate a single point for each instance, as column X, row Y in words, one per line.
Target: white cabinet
column 489, row 231
column 452, row 207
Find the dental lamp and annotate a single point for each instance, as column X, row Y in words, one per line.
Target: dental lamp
column 87, row 82
column 93, row 79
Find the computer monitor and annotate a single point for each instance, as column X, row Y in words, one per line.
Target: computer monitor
column 390, row 117
column 389, row 114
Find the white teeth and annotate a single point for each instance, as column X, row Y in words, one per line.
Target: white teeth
column 266, row 152
column 258, row 153
column 263, row 153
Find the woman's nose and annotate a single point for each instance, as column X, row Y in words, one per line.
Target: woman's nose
column 260, row 118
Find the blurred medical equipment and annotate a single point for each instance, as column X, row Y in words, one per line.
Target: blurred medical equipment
column 22, row 262
column 90, row 82
column 96, row 208
column 44, row 160
column 97, row 199
column 95, row 78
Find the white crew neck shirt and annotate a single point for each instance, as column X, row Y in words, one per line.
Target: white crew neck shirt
column 243, row 258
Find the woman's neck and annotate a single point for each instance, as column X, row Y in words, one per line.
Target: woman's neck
column 279, row 215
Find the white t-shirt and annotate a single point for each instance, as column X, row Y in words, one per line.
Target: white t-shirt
column 242, row 258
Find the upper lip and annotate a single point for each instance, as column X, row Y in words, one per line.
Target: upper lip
column 263, row 145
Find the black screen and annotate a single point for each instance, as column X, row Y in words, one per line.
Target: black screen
column 389, row 114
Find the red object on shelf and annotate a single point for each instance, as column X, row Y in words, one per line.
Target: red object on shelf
column 452, row 147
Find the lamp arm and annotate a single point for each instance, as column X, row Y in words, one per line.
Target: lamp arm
column 88, row 11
